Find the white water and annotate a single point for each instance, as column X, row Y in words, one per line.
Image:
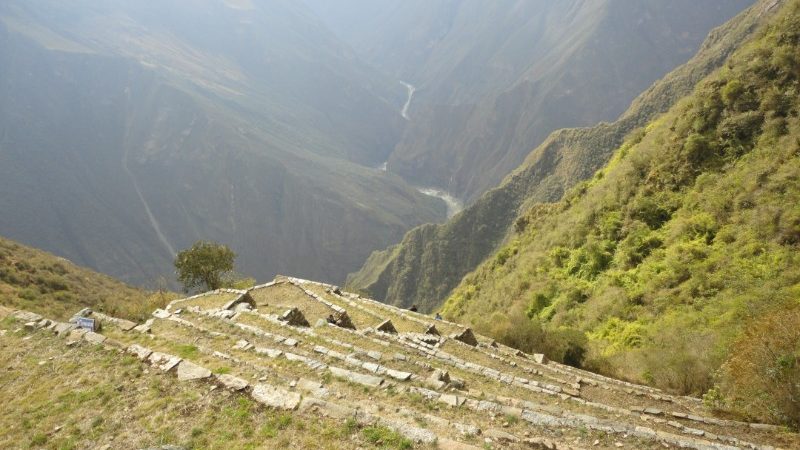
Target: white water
column 454, row 205
column 411, row 89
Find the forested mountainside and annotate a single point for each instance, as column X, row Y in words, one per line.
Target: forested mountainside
column 37, row 281
column 432, row 259
column 128, row 130
column 678, row 263
column 494, row 79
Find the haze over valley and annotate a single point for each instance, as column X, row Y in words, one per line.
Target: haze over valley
column 400, row 224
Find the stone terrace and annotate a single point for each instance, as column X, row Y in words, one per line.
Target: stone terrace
column 299, row 345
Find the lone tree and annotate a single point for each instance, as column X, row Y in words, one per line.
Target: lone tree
column 204, row 265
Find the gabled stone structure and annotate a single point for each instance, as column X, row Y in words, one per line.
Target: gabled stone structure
column 386, row 327
column 294, row 318
column 432, row 331
column 341, row 319
column 467, row 337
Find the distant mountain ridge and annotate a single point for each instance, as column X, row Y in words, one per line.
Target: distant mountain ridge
column 128, row 130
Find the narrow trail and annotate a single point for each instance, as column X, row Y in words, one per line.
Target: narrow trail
column 150, row 216
column 411, row 89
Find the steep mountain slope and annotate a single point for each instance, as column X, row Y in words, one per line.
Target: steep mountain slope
column 37, row 281
column 494, row 79
column 432, row 259
column 129, row 130
column 690, row 234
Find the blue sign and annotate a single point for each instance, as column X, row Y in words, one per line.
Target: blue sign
column 87, row 323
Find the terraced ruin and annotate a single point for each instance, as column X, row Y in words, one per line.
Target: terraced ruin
column 310, row 348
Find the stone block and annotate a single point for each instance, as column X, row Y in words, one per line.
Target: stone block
column 161, row 314
column 163, row 361
column 275, row 397
column 294, row 318
column 94, row 338
column 365, row 380
column 452, row 400
column 232, row 383
column 188, row 371
column 399, row 375
column 314, row 388
column 140, row 352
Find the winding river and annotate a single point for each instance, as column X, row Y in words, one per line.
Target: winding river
column 454, row 205
column 411, row 89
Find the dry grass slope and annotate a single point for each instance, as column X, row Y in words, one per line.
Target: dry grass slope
column 37, row 281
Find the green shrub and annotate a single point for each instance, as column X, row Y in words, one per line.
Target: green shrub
column 697, row 148
column 539, row 302
column 636, row 246
column 738, row 132
column 506, row 252
column 29, row 294
column 732, row 92
column 589, row 260
column 619, row 335
column 650, row 211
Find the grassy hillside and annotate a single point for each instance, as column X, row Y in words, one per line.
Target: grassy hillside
column 36, row 281
column 432, row 259
column 685, row 242
column 90, row 397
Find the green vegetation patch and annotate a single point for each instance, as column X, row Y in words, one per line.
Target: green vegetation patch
column 654, row 269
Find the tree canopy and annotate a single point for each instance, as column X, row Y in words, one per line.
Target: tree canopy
column 204, row 265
